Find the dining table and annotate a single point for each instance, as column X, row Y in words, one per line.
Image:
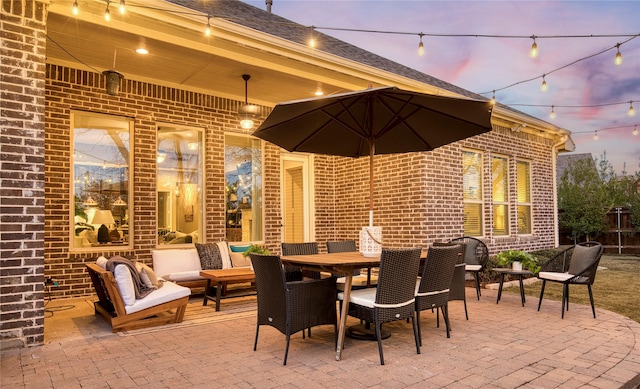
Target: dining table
column 336, row 263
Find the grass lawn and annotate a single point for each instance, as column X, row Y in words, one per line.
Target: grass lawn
column 616, row 287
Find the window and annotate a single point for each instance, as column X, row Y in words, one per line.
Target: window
column 500, row 194
column 243, row 180
column 472, row 192
column 180, row 168
column 101, row 180
column 523, row 174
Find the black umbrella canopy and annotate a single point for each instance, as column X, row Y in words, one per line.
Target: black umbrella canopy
column 374, row 121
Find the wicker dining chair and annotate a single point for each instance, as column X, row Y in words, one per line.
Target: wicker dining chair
column 359, row 280
column 476, row 257
column 432, row 289
column 393, row 298
column 295, row 273
column 576, row 265
column 292, row 306
column 458, row 282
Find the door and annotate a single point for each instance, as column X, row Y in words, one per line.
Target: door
column 297, row 198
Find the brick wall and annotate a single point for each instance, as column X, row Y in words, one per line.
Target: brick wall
column 22, row 173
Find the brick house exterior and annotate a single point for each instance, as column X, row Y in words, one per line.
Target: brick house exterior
column 418, row 196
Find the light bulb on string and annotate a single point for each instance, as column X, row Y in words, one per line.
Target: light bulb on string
column 74, row 9
column 312, row 38
column 544, row 86
column 552, row 114
column 121, row 7
column 534, row 48
column 635, row 130
column 631, row 110
column 595, row 136
column 493, row 98
column 207, row 31
column 421, row 46
column 618, row 60
column 107, row 14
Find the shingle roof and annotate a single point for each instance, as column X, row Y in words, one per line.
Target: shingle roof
column 564, row 160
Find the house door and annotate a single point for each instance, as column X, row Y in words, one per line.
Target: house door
column 297, row 198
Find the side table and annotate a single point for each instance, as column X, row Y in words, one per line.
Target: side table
column 519, row 273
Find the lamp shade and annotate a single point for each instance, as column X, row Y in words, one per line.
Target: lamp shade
column 103, row 217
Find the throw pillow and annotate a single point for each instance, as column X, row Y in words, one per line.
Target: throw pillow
column 239, row 249
column 582, row 257
column 124, row 282
column 239, row 260
column 147, row 275
column 102, row 262
column 209, row 256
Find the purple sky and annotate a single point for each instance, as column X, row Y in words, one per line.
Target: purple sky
column 486, row 64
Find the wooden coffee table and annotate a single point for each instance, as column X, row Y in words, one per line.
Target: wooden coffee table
column 224, row 277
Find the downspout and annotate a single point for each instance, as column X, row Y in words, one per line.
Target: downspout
column 554, row 159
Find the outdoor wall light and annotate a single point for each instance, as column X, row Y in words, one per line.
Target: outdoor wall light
column 248, row 111
column 113, row 81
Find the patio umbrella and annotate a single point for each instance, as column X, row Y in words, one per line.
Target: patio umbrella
column 382, row 120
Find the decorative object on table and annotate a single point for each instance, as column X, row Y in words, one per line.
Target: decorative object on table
column 104, row 218
column 517, row 260
column 385, row 120
column 576, row 265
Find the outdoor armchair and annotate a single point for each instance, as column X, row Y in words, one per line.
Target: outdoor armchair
column 358, row 280
column 576, row 265
column 291, row 306
column 458, row 287
column 393, row 298
column 432, row 289
column 476, row 256
column 295, row 273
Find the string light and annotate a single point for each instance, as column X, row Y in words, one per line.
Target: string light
column 544, row 86
column 107, row 14
column 618, row 60
column 207, row 31
column 312, row 39
column 552, row 115
column 595, row 136
column 121, row 7
column 631, row 110
column 635, row 130
column 493, row 98
column 74, row 9
column 421, row 46
column 534, row 47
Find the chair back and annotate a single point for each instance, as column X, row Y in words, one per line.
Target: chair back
column 476, row 252
column 270, row 289
column 295, row 273
column 397, row 276
column 437, row 274
column 341, row 246
column 584, row 261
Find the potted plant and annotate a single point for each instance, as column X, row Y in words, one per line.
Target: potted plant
column 256, row 249
column 518, row 259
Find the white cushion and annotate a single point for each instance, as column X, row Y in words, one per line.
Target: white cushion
column 224, row 254
column 180, row 276
column 102, row 262
column 168, row 292
column 367, row 297
column 360, row 280
column 553, row 276
column 472, row 267
column 167, row 262
column 124, row 282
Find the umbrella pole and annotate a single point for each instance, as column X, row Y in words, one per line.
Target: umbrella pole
column 371, row 152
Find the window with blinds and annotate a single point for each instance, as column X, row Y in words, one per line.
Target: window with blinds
column 472, row 192
column 523, row 175
column 500, row 194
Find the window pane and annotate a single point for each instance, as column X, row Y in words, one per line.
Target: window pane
column 499, row 179
column 243, row 180
column 524, row 188
column 500, row 219
column 101, row 176
column 524, row 219
column 472, row 175
column 473, row 219
column 179, row 161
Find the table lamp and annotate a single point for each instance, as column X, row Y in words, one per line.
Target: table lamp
column 103, row 217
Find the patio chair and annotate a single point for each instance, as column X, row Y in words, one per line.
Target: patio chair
column 394, row 297
column 476, row 256
column 359, row 280
column 291, row 306
column 295, row 273
column 458, row 286
column 576, row 265
column 432, row 289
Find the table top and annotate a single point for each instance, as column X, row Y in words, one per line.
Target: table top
column 233, row 274
column 354, row 259
column 508, row 270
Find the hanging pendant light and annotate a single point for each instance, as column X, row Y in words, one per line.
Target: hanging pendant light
column 247, row 111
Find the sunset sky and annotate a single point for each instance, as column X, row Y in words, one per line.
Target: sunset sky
column 485, row 64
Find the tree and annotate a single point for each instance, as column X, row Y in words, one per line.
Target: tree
column 584, row 196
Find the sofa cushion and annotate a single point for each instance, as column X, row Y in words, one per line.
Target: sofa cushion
column 239, row 249
column 102, row 262
column 147, row 275
column 239, row 260
column 168, row 261
column 224, row 253
column 181, row 276
column 210, row 257
column 168, row 292
column 124, row 282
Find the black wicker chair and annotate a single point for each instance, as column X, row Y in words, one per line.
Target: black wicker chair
column 476, row 256
column 359, row 280
column 394, row 297
column 291, row 307
column 295, row 273
column 432, row 289
column 458, row 287
column 576, row 265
